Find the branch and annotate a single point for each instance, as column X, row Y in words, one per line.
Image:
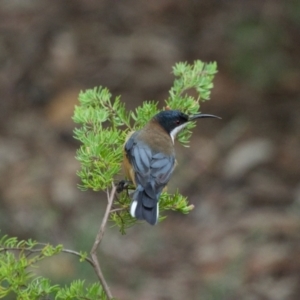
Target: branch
column 117, row 209
column 30, row 251
column 90, row 261
column 100, row 234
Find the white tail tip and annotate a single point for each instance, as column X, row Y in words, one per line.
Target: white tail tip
column 133, row 208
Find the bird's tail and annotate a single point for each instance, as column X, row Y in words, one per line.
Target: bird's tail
column 144, row 206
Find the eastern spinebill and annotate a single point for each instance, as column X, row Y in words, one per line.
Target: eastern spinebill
column 149, row 160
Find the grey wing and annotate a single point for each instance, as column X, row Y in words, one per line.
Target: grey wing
column 140, row 158
column 162, row 167
column 152, row 170
column 152, row 173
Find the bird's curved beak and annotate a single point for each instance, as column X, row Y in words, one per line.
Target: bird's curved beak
column 198, row 116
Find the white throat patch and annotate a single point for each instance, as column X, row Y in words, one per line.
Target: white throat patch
column 174, row 132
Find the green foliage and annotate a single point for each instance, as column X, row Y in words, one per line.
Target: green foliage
column 199, row 77
column 105, row 123
column 120, row 216
column 175, row 202
column 100, row 152
column 17, row 279
column 77, row 290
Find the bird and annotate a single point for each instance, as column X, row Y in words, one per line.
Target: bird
column 149, row 160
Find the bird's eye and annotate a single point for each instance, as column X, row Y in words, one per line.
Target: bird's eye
column 177, row 122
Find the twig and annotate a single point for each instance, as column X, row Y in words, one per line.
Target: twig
column 117, row 209
column 37, row 250
column 100, row 234
column 90, row 261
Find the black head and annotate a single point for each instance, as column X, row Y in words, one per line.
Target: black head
column 170, row 119
column 174, row 120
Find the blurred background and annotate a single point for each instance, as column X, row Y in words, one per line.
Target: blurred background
column 242, row 240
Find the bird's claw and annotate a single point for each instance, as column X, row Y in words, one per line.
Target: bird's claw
column 123, row 185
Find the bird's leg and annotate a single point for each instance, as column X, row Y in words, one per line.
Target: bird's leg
column 123, row 185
